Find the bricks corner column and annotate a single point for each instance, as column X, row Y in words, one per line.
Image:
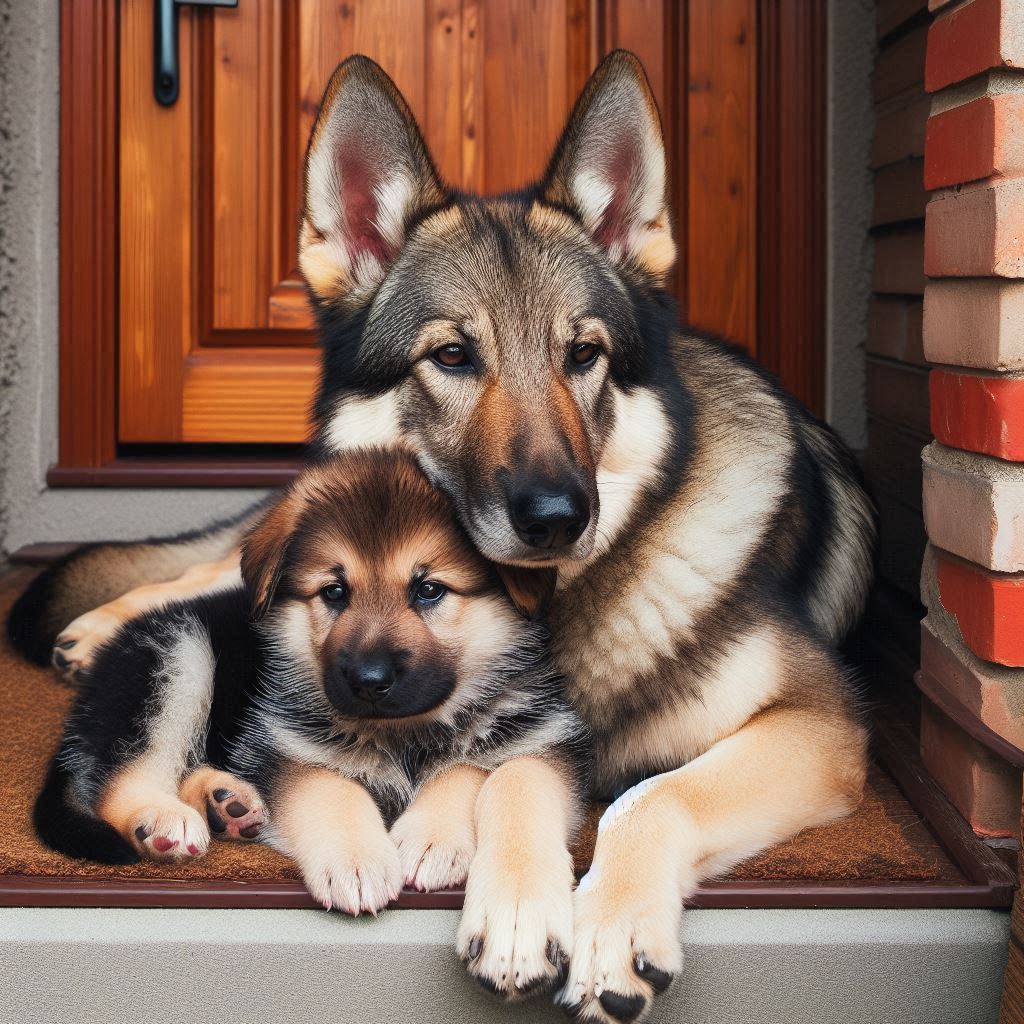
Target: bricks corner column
column 972, row 638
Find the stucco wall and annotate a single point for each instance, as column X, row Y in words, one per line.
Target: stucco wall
column 29, row 511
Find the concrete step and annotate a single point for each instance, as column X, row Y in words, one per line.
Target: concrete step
column 285, row 966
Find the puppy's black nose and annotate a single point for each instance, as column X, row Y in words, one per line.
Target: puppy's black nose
column 550, row 517
column 372, row 677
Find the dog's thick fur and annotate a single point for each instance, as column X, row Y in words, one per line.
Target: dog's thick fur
column 197, row 717
column 722, row 542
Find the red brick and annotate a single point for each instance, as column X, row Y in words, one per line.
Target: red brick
column 976, row 233
column 992, row 693
column 971, row 39
column 979, row 414
column 988, row 607
column 976, row 140
column 983, row 788
column 899, row 193
column 894, row 329
column 975, row 322
column 972, row 507
column 900, row 128
column 899, row 262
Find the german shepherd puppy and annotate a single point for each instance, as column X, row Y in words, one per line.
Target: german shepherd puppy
column 713, row 540
column 390, row 676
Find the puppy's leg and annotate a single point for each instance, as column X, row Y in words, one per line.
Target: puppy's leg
column 143, row 806
column 76, row 646
column 332, row 829
column 174, row 677
column 788, row 768
column 233, row 809
column 516, row 927
column 436, row 836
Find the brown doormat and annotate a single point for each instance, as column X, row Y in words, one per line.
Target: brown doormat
column 883, row 854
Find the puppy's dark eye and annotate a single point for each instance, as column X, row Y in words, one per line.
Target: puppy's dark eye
column 451, row 357
column 429, row 592
column 584, row 354
column 334, row 593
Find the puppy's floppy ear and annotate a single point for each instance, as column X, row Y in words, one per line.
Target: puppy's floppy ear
column 610, row 169
column 265, row 550
column 530, row 590
column 367, row 175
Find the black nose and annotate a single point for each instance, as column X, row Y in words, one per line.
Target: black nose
column 371, row 677
column 550, row 517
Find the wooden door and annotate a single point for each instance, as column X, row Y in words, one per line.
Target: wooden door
column 215, row 341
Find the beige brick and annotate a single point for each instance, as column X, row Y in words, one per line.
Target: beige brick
column 974, row 506
column 993, row 693
column 978, row 233
column 975, row 323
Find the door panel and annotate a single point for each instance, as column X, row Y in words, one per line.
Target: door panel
column 215, row 341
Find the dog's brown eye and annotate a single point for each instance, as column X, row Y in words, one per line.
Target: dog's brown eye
column 584, row 354
column 429, row 592
column 334, row 593
column 451, row 356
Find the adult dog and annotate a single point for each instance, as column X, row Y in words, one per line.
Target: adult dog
column 712, row 539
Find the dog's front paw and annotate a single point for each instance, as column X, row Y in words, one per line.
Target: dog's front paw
column 626, row 950
column 353, row 878
column 435, row 852
column 516, row 928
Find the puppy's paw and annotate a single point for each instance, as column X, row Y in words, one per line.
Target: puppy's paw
column 351, row 877
column 75, row 648
column 517, row 926
column 435, row 852
column 233, row 809
column 168, row 830
column 624, row 953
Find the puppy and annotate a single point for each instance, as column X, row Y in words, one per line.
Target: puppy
column 387, row 676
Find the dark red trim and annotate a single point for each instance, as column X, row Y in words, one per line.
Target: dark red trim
column 791, row 212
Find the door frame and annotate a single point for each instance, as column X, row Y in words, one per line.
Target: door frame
column 791, row 137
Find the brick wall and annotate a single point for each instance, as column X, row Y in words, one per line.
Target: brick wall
column 972, row 640
column 897, row 379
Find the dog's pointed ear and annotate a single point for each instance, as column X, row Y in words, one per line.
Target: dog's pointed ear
column 609, row 167
column 530, row 590
column 265, row 550
column 367, row 175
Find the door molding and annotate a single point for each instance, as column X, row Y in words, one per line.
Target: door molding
column 791, row 135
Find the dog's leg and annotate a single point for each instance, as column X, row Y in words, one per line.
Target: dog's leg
column 233, row 809
column 788, row 768
column 77, row 643
column 516, row 927
column 436, row 836
column 332, row 829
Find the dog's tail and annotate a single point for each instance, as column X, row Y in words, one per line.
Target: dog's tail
column 76, row 833
column 94, row 574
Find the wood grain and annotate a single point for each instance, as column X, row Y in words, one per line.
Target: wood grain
column 791, row 275
column 88, row 232
column 156, row 282
column 722, row 168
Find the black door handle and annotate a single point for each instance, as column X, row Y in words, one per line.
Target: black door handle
column 166, row 72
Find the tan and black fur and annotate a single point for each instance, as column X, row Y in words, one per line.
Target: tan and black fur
column 392, row 679
column 713, row 539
